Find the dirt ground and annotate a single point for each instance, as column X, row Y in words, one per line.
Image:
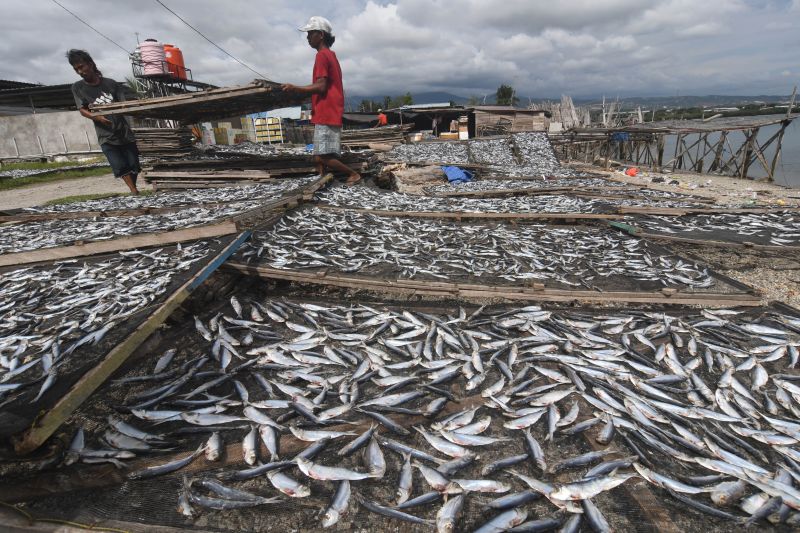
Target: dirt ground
column 45, row 192
column 723, row 189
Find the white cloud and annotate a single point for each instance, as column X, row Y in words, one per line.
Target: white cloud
column 467, row 47
column 705, row 29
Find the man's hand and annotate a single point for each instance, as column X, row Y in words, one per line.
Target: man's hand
column 104, row 121
column 288, row 88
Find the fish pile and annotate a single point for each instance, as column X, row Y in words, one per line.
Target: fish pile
column 777, row 229
column 368, row 198
column 495, row 152
column 498, row 156
column 26, row 173
column 48, row 313
column 247, row 148
column 448, row 153
column 523, row 154
column 51, row 233
column 535, row 150
column 418, row 416
column 419, row 249
column 191, row 197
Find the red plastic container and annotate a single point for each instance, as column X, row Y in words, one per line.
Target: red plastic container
column 175, row 63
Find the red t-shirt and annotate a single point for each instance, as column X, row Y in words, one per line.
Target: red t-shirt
column 327, row 108
column 382, row 120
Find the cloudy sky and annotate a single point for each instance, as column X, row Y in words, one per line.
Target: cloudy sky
column 466, row 47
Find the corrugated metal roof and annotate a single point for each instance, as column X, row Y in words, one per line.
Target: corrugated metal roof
column 11, row 84
column 506, row 108
column 427, row 106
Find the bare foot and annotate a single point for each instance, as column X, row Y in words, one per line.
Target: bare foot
column 353, row 179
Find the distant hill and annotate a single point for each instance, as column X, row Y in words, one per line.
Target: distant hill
column 419, row 98
column 659, row 102
column 711, row 100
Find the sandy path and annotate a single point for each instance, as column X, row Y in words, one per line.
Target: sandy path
column 44, row 192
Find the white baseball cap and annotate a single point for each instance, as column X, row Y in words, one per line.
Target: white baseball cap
column 318, row 24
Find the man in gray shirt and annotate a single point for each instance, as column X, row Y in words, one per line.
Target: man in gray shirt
column 114, row 135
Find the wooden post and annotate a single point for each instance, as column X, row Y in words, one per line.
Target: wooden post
column 777, row 156
column 698, row 158
column 748, row 152
column 719, row 151
column 661, row 145
column 678, row 143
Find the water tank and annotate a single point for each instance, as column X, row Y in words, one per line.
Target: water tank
column 175, row 63
column 153, row 57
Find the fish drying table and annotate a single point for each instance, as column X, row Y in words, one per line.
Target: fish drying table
column 620, row 285
column 162, row 204
column 718, row 238
column 225, row 227
column 212, row 173
column 103, row 495
column 41, row 419
column 534, row 292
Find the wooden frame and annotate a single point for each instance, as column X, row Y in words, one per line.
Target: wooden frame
column 532, row 292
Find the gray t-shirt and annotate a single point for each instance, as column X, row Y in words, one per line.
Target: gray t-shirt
column 105, row 92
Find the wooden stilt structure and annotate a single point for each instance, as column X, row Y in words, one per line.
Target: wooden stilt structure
column 699, row 145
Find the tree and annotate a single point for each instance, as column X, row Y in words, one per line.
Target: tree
column 505, row 95
column 369, row 106
column 387, row 100
column 400, row 101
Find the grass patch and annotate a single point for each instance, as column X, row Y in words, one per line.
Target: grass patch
column 99, row 196
column 38, row 165
column 16, row 183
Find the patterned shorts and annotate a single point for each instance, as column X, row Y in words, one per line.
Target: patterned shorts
column 327, row 139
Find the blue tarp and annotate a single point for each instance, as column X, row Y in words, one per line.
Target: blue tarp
column 456, row 175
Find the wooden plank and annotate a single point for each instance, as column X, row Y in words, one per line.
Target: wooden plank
column 211, row 174
column 504, row 293
column 311, row 189
column 45, row 426
column 114, row 245
column 462, row 215
column 21, row 521
column 681, row 211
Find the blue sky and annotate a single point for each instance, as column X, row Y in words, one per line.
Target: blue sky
column 467, row 47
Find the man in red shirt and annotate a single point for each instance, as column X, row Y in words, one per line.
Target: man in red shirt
column 382, row 120
column 327, row 99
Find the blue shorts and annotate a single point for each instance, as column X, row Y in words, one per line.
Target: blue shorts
column 123, row 158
